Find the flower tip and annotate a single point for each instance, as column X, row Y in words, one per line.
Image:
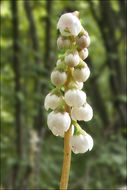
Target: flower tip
column 76, row 13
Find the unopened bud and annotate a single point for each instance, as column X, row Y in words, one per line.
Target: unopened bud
column 58, row 78
column 83, row 32
column 79, row 85
column 83, row 41
column 72, row 59
column 76, row 13
column 58, row 62
column 63, row 43
column 81, row 75
column 83, row 53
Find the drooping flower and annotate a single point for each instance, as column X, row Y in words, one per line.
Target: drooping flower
column 79, row 85
column 69, row 25
column 83, row 41
column 72, row 59
column 58, row 78
column 52, row 101
column 63, row 43
column 58, row 62
column 81, row 143
column 83, row 53
column 81, row 74
column 84, row 113
column 58, row 122
column 75, row 97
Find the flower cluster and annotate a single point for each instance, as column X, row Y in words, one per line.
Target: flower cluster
column 68, row 77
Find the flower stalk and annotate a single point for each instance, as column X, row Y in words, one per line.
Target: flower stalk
column 67, row 148
column 66, row 161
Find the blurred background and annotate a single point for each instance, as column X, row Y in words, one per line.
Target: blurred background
column 31, row 156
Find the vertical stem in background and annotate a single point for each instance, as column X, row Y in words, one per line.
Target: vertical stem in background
column 37, row 120
column 67, row 149
column 48, row 28
column 17, row 87
column 116, row 79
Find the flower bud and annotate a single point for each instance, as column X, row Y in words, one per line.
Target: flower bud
column 83, row 41
column 79, row 85
column 72, row 59
column 83, row 32
column 81, row 75
column 83, row 53
column 58, row 78
column 58, row 122
column 82, row 113
column 69, row 25
column 52, row 101
column 63, row 43
column 76, row 13
column 81, row 143
column 75, row 97
column 58, row 62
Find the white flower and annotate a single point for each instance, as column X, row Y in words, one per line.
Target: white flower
column 82, row 113
column 52, row 101
column 69, row 25
column 81, row 75
column 75, row 97
column 63, row 43
column 83, row 53
column 81, row 143
column 79, row 85
column 72, row 59
column 58, row 78
column 83, row 41
column 58, row 62
column 58, row 123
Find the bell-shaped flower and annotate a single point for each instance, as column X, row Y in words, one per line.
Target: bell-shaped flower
column 75, row 97
column 69, row 25
column 81, row 74
column 58, row 122
column 52, row 101
column 58, row 62
column 63, row 43
column 58, row 78
column 83, row 53
column 72, row 59
column 84, row 113
column 81, row 143
column 83, row 41
column 79, row 85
